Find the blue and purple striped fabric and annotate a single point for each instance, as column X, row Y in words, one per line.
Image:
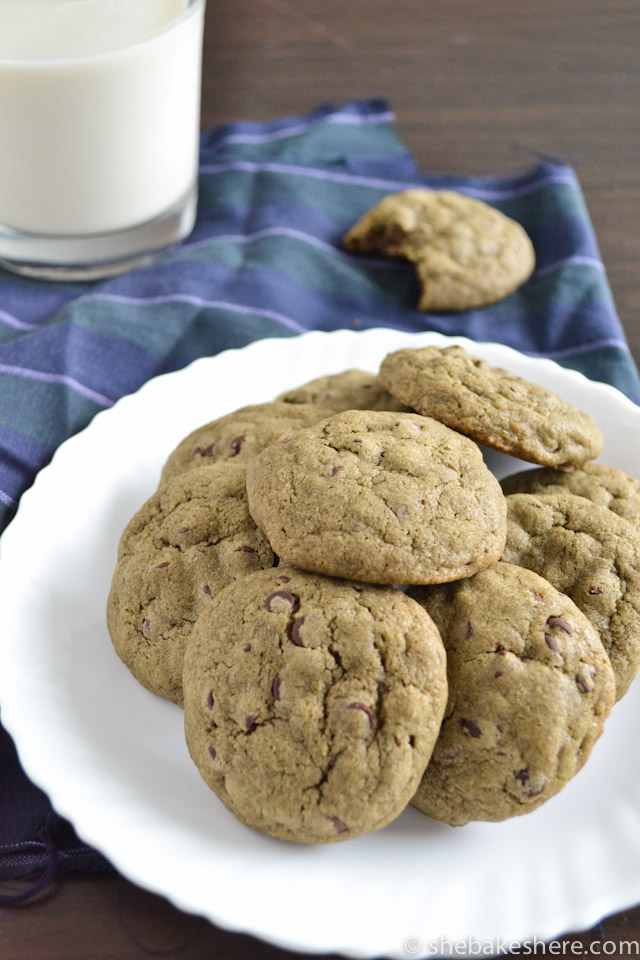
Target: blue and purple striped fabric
column 265, row 260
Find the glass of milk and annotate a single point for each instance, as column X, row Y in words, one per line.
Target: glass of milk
column 99, row 123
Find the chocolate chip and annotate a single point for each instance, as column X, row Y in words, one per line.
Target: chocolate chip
column 338, row 824
column 469, row 630
column 557, row 623
column 293, row 631
column 183, row 530
column 449, row 592
column 471, row 728
column 335, row 470
column 275, row 686
column 209, row 700
column 207, row 589
column 498, row 673
column 283, row 580
column 477, row 363
column 244, row 549
column 204, row 451
column 538, row 596
column 522, row 775
column 357, row 440
column 250, row 723
column 536, row 793
column 247, row 648
column 499, row 728
column 161, row 566
column 283, row 595
column 501, row 651
column 361, row 706
column 237, row 442
column 146, row 626
column 551, row 643
column 583, row 685
column 211, row 751
column 594, row 591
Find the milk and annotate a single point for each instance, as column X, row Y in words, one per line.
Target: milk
column 99, row 112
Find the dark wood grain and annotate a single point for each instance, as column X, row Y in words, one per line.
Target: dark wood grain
column 477, row 87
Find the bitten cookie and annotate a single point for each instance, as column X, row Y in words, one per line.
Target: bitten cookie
column 380, row 497
column 351, row 390
column 603, row 485
column 242, row 434
column 530, row 687
column 466, row 253
column 492, row 406
column 312, row 705
column 593, row 556
column 187, row 542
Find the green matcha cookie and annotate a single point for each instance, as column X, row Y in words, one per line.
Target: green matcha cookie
column 492, row 406
column 381, row 497
column 187, row 542
column 351, row 390
column 592, row 555
column 312, row 705
column 530, row 687
column 603, row 485
column 467, row 254
column 242, row 435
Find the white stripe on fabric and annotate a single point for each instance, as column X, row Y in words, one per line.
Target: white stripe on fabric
column 576, row 261
column 7, row 500
column 339, row 119
column 583, row 348
column 309, row 238
column 199, row 302
column 507, row 193
column 43, row 377
column 17, row 324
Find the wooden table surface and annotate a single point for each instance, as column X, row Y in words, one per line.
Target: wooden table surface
column 477, row 88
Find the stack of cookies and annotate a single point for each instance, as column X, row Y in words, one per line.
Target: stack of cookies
column 258, row 589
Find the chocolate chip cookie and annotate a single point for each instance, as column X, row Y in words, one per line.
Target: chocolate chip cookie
column 351, row 390
column 187, row 542
column 467, row 254
column 242, row 434
column 381, row 497
column 592, row 555
column 312, row 705
column 603, row 485
column 492, row 406
column 530, row 687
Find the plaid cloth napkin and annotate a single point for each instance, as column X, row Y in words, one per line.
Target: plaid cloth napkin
column 265, row 260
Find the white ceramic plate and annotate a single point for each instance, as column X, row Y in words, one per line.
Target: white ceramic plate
column 113, row 759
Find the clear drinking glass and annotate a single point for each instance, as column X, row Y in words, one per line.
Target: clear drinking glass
column 99, row 122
